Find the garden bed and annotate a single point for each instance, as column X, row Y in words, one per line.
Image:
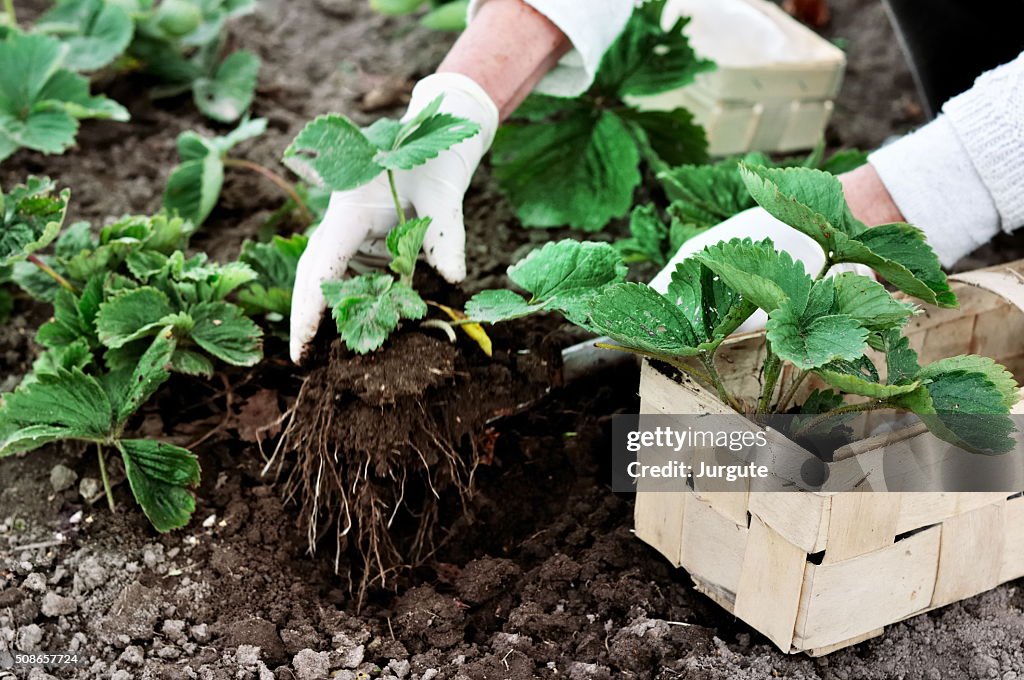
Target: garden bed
column 546, row 578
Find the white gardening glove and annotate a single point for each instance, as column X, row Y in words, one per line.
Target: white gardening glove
column 757, row 225
column 360, row 219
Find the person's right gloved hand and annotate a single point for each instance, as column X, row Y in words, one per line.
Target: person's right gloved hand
column 757, row 225
column 359, row 220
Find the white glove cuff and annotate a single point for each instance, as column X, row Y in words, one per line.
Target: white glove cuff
column 464, row 98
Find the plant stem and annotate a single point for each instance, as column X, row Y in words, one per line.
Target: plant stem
column 49, row 271
column 678, row 365
column 12, row 16
column 281, row 183
column 772, row 370
column 716, row 379
column 394, row 196
column 106, row 479
column 791, row 392
column 872, row 405
column 824, row 269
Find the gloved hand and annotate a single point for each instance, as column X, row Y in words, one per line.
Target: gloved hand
column 757, row 225
column 359, row 220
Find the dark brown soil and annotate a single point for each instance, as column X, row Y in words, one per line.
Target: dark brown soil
column 538, row 576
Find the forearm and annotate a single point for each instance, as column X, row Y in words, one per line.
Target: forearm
column 869, row 200
column 507, row 49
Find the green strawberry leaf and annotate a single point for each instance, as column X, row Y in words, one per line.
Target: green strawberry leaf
column 869, row 302
column 964, row 408
column 811, row 341
column 67, row 404
column 193, row 188
column 31, row 216
column 647, row 60
column 648, row 237
column 226, row 95
column 132, row 315
column 852, row 378
column 404, row 242
column 759, row 273
column 275, row 264
column 160, row 476
column 714, row 309
column 331, row 151
column 638, row 318
column 563, row 276
column 494, row 306
column 151, row 371
column 95, row 32
column 579, row 171
column 424, row 137
column 368, row 308
column 223, row 330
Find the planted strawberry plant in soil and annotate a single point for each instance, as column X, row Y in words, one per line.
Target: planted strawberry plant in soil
column 535, row 573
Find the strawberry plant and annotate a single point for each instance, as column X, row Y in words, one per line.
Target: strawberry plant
column 194, row 185
column 41, row 101
column 334, row 153
column 129, row 308
column 703, row 196
column 577, row 161
column 180, row 42
column 65, row 403
column 275, row 263
column 442, row 15
column 818, row 325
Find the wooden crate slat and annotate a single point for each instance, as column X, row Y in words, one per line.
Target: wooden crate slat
column 860, row 523
column 849, row 599
column 970, row 554
column 713, row 545
column 768, row 595
column 1013, row 541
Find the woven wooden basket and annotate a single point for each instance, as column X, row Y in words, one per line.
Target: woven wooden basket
column 818, row 571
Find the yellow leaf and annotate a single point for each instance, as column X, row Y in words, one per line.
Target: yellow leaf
column 473, row 330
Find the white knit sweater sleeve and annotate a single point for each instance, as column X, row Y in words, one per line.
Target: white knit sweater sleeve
column 960, row 178
column 591, row 26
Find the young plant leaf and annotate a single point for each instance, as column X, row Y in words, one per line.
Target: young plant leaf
column 714, row 309
column 562, row 276
column 227, row 95
column 648, row 241
column 964, row 408
column 811, row 341
column 41, row 102
column 331, row 151
column 194, row 186
column 160, row 476
column 132, row 315
column 647, row 60
column 551, row 187
column 95, row 32
column 759, row 273
column 223, row 330
column 639, row 318
column 275, row 264
column 812, row 202
column 67, row 404
column 368, row 308
column 424, row 138
column 869, row 302
column 404, row 242
column 31, row 216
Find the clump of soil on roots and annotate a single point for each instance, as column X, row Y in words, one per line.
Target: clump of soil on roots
column 378, row 444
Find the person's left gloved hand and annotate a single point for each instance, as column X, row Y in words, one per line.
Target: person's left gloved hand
column 757, row 225
column 358, row 221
